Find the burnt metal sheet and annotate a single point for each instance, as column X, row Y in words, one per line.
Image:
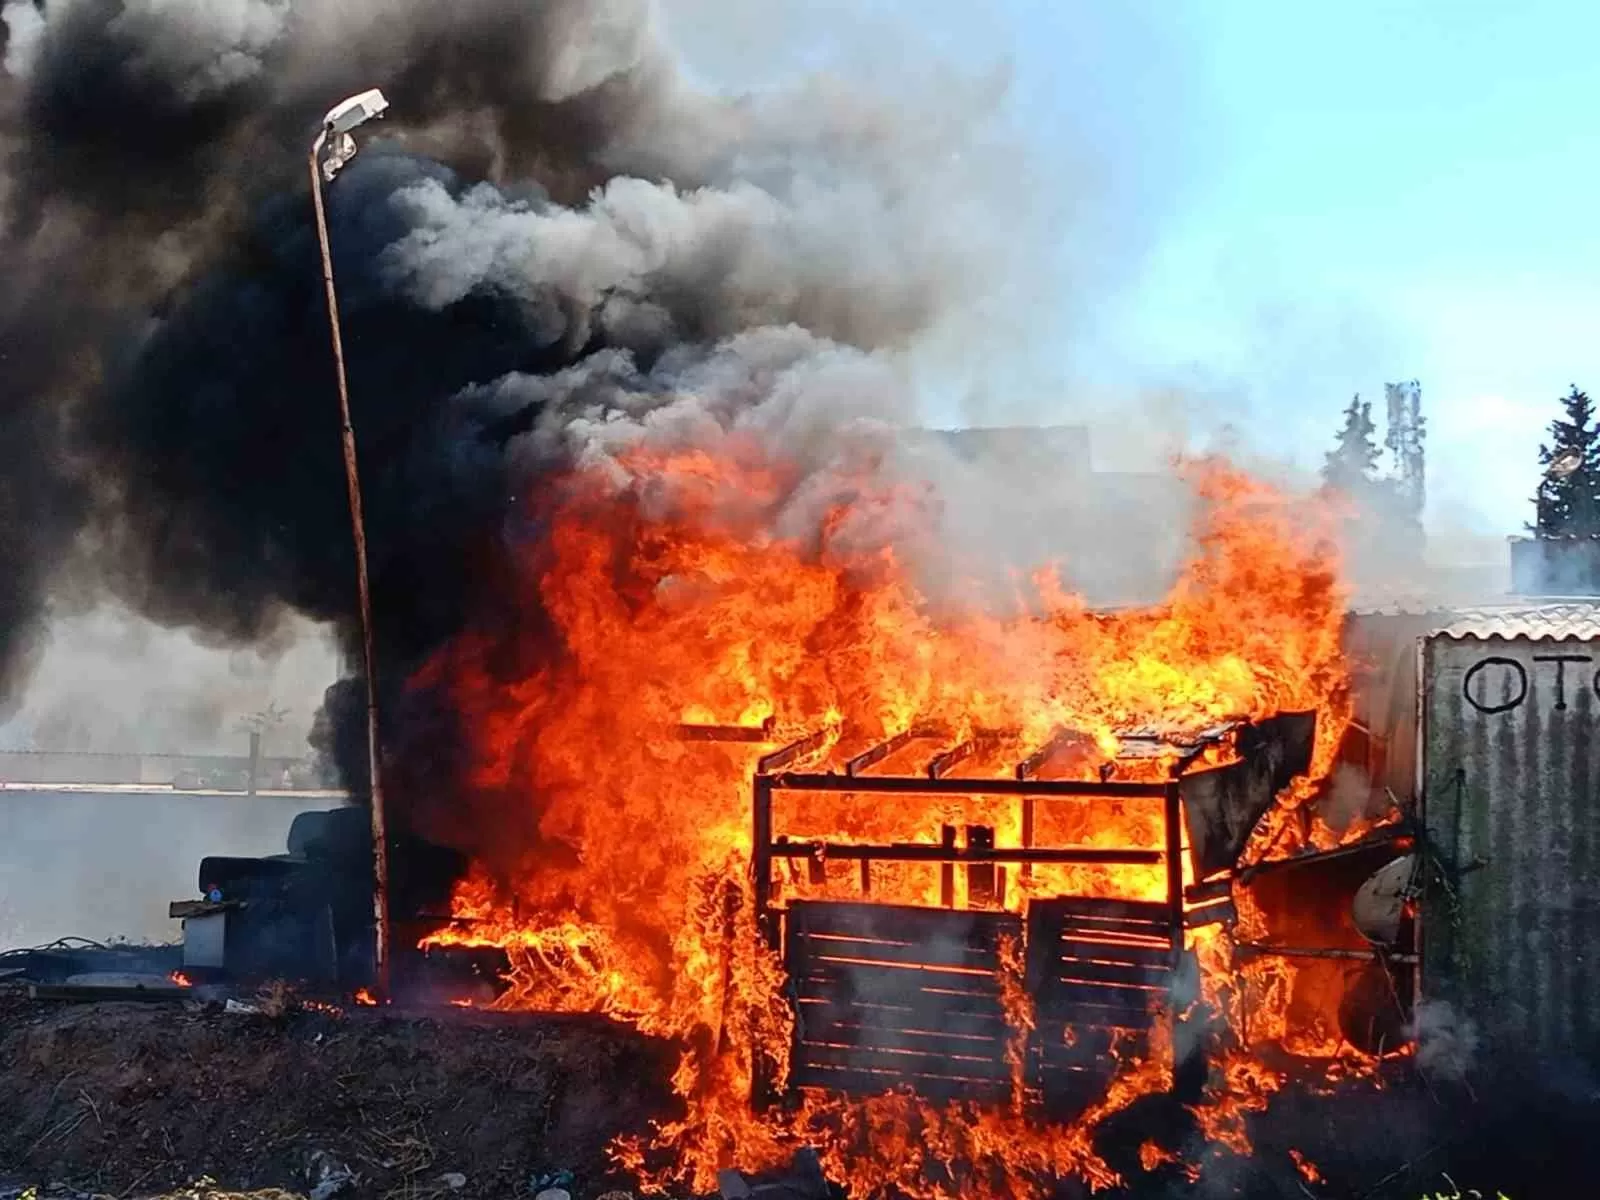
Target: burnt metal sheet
column 1307, row 901
column 892, row 996
column 1223, row 805
column 1101, row 974
column 1510, row 775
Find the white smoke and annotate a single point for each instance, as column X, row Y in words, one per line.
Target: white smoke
column 211, row 46
column 1447, row 1041
column 108, row 681
column 616, row 37
column 1348, row 799
column 835, row 260
column 24, row 28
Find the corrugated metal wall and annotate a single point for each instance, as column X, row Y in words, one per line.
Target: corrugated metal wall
column 1512, row 775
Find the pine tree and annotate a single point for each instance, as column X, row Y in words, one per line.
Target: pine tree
column 1350, row 464
column 1568, row 503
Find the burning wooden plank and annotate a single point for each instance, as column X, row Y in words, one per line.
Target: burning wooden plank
column 751, row 734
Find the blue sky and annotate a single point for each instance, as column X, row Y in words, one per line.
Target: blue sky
column 1385, row 190
column 1295, row 202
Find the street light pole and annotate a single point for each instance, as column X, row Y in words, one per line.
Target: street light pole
column 339, row 121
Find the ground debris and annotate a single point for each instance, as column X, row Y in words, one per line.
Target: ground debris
column 134, row 1100
column 199, row 1189
column 328, row 1176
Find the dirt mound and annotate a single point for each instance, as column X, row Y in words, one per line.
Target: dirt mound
column 129, row 1098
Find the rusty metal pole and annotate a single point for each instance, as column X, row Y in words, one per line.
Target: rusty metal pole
column 380, row 836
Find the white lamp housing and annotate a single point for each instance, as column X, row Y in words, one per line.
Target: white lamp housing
column 357, row 110
column 341, row 119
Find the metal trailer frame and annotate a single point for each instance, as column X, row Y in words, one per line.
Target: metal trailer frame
column 888, row 995
column 767, row 848
column 1147, row 953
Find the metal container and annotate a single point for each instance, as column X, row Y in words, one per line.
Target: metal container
column 1509, row 780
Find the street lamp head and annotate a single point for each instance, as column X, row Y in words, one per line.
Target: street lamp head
column 337, row 125
column 1564, row 464
column 357, row 110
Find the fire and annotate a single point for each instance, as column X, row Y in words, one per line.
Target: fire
column 364, row 997
column 182, row 980
column 1247, row 1087
column 612, row 859
column 1307, row 1168
column 1153, row 1156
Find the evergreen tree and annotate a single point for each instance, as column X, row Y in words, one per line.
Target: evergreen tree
column 1568, row 503
column 1350, row 465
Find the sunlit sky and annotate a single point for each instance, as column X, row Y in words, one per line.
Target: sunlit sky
column 1294, row 203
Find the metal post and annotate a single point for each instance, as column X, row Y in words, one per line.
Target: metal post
column 762, row 1091
column 947, row 868
column 1026, row 870
column 380, row 836
column 255, row 762
column 1174, row 856
column 761, row 859
column 1419, row 782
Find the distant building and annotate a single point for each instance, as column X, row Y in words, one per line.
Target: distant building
column 1030, row 497
column 1555, row 566
column 1054, row 449
column 1121, row 537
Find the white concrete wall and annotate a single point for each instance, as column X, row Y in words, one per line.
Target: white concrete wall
column 104, row 863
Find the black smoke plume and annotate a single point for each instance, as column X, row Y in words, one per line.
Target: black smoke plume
column 555, row 245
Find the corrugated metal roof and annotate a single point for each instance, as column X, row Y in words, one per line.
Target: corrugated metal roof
column 1545, row 622
column 1539, row 620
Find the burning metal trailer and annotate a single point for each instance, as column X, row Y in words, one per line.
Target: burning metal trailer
column 887, row 994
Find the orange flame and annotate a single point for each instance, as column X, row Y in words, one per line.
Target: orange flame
column 1307, row 1168
column 182, row 980
column 1153, row 1156
column 364, row 997
column 612, row 860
